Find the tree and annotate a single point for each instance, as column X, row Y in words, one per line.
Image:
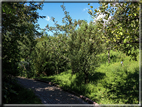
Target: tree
column 18, row 26
column 122, row 30
column 84, row 44
column 50, row 56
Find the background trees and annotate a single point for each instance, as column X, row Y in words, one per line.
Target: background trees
column 75, row 45
column 50, row 55
column 84, row 43
column 123, row 25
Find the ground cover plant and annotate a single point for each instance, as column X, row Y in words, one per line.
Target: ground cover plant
column 109, row 83
column 20, row 95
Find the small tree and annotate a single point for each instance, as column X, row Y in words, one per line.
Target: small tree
column 85, row 44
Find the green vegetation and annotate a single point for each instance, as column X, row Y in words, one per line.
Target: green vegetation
column 122, row 25
column 84, row 57
column 22, row 95
column 19, row 27
column 109, row 83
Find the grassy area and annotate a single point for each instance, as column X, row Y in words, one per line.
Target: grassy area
column 109, row 84
column 23, row 96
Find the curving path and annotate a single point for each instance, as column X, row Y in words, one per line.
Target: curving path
column 50, row 94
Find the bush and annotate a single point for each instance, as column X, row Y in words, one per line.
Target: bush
column 20, row 95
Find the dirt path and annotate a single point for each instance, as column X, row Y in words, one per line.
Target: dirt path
column 50, row 94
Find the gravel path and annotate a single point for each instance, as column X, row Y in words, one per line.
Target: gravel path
column 50, row 94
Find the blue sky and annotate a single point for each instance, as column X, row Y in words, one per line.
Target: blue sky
column 76, row 10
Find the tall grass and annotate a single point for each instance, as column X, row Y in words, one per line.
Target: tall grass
column 109, row 83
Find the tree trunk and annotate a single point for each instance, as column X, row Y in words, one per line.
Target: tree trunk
column 57, row 70
column 72, row 67
column 86, row 78
column 108, row 56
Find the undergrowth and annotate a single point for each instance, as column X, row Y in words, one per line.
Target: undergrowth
column 109, row 84
column 22, row 96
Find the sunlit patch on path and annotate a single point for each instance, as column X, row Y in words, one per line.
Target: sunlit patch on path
column 50, row 94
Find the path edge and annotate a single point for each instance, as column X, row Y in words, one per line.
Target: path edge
column 72, row 92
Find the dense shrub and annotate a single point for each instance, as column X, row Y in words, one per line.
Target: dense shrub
column 50, row 56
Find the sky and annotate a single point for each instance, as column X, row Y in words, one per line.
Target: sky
column 76, row 11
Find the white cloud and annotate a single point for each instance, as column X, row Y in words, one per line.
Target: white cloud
column 109, row 17
column 85, row 9
column 47, row 18
column 100, row 16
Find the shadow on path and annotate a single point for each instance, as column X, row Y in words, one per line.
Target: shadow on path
column 50, row 94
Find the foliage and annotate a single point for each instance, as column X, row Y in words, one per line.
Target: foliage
column 28, row 96
column 84, row 44
column 18, row 27
column 50, row 56
column 115, row 56
column 109, row 84
column 77, row 48
column 122, row 26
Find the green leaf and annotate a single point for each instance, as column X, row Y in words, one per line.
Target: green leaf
column 121, row 33
column 95, row 10
column 3, row 10
column 90, row 11
column 135, row 14
column 125, row 41
column 91, row 6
